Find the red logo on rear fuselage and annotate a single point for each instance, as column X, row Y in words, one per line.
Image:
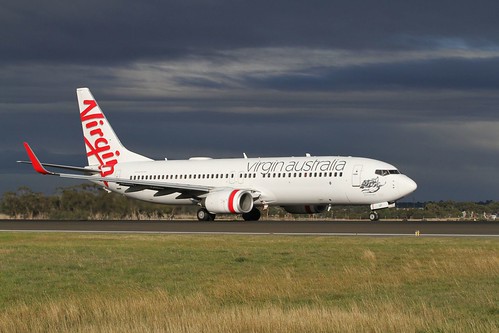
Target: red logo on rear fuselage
column 97, row 144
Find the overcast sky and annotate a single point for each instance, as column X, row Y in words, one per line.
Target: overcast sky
column 412, row 83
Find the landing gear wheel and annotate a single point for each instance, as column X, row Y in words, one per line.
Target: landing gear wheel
column 252, row 215
column 374, row 216
column 204, row 215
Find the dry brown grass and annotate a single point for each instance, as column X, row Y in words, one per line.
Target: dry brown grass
column 160, row 312
column 160, row 283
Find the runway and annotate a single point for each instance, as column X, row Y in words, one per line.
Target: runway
column 340, row 228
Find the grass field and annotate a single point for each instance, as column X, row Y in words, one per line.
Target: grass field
column 57, row 282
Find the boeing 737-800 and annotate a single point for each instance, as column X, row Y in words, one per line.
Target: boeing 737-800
column 300, row 185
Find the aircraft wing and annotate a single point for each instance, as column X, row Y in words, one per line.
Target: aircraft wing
column 163, row 188
column 87, row 171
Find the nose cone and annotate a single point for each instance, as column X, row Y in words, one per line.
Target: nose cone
column 407, row 186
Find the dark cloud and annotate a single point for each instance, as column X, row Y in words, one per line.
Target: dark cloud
column 449, row 73
column 94, row 32
column 440, row 161
column 413, row 83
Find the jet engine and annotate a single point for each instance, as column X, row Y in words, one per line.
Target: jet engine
column 306, row 209
column 229, row 201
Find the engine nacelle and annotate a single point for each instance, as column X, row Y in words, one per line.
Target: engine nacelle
column 229, row 201
column 306, row 209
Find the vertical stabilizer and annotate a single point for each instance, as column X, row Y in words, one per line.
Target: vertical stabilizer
column 103, row 147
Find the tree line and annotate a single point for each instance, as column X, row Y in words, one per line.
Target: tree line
column 91, row 202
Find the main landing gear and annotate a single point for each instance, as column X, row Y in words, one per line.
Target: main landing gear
column 204, row 215
column 373, row 216
column 252, row 215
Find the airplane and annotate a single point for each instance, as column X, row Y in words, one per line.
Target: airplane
column 300, row 185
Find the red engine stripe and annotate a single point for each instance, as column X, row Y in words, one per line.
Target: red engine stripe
column 231, row 201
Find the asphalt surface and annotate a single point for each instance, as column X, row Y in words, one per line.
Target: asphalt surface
column 453, row 228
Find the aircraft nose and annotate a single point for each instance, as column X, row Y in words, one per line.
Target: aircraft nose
column 407, row 186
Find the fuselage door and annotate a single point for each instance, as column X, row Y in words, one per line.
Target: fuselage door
column 356, row 174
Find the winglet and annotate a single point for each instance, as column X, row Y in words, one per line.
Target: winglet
column 35, row 162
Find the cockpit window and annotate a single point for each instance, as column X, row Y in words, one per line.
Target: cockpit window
column 387, row 172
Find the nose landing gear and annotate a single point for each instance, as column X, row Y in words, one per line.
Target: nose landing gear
column 373, row 216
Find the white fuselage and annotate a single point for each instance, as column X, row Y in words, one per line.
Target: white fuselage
column 280, row 181
column 301, row 185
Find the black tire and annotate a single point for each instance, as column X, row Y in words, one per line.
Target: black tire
column 204, row 215
column 252, row 215
column 373, row 216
